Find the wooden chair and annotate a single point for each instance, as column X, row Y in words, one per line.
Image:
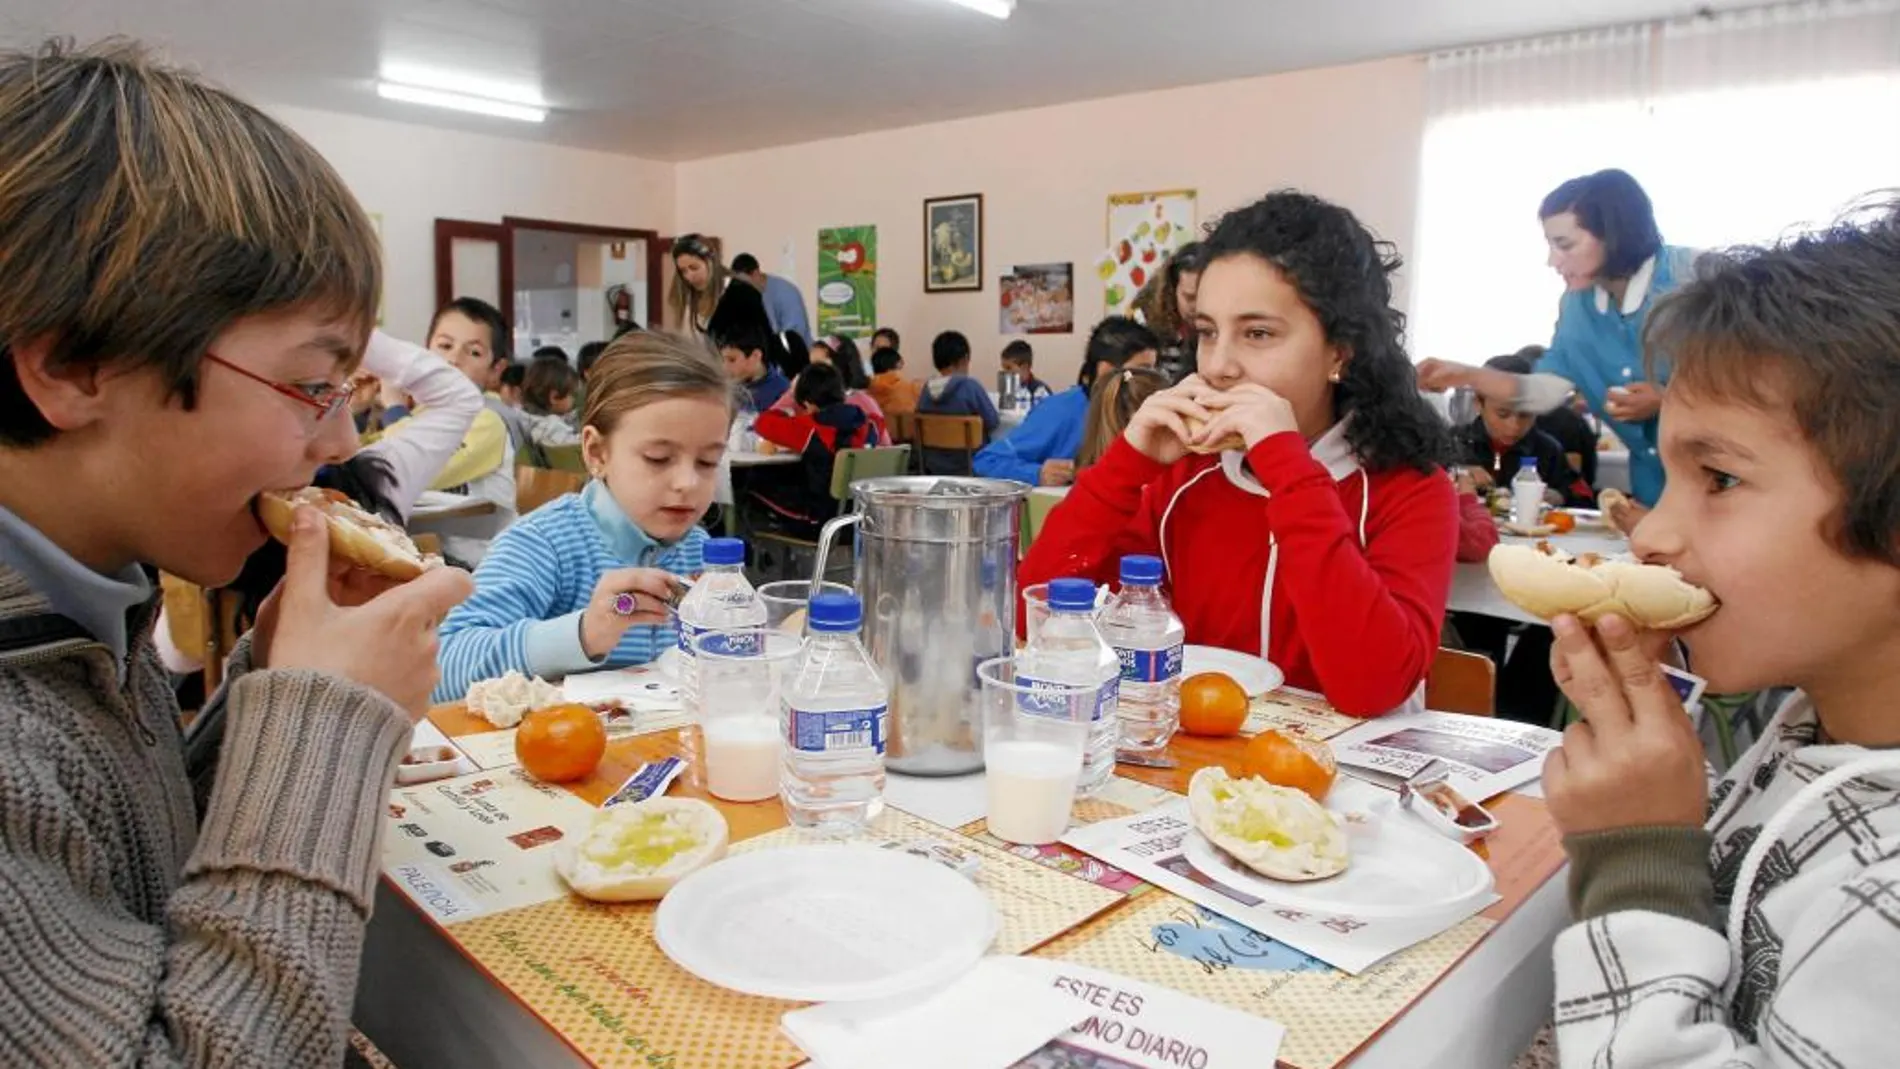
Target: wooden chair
column 962, row 434
column 903, row 431
column 203, row 622
column 848, row 467
column 565, row 458
column 535, row 487
column 1462, row 682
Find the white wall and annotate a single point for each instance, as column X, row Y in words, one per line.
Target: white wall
column 411, row 175
column 1350, row 134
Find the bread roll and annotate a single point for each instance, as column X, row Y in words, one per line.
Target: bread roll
column 1548, row 583
column 356, row 535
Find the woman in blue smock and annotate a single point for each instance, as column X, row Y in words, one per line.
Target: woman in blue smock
column 1604, row 243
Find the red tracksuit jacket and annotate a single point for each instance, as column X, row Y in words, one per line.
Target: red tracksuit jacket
column 1349, row 572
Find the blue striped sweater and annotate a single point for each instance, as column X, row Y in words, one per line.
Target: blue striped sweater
column 534, row 583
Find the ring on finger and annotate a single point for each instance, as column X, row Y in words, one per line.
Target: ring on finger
column 624, row 604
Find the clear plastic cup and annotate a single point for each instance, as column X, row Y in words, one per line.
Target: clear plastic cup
column 741, row 672
column 785, row 602
column 1034, row 737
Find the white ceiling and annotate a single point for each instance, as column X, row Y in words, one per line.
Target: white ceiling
column 681, row 79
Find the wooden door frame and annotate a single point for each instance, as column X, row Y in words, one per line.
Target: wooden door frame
column 448, row 231
column 512, row 223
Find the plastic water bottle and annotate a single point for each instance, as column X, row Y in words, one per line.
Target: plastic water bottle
column 1144, row 632
column 1069, row 649
column 1527, row 494
column 720, row 600
column 834, row 712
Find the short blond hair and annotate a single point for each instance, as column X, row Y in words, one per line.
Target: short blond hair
column 642, row 367
column 143, row 211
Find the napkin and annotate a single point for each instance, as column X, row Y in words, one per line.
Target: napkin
column 939, row 1028
column 640, row 689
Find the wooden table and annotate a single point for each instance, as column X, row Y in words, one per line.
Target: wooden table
column 424, row 1004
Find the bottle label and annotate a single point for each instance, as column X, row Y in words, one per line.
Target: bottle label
column 839, row 731
column 1045, row 698
column 1150, row 666
column 724, row 644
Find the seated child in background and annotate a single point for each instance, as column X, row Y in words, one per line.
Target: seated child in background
column 1041, row 450
column 548, row 596
column 886, row 338
column 822, row 423
column 1566, row 423
column 841, row 354
column 1760, row 932
column 895, row 394
column 512, row 378
column 1498, row 441
column 1019, row 356
column 547, row 408
column 1332, row 533
column 1477, row 530
column 1113, row 402
column 469, row 334
column 953, row 393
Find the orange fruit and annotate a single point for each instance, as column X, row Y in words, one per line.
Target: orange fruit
column 1286, row 761
column 1560, row 521
column 1212, row 704
column 560, row 743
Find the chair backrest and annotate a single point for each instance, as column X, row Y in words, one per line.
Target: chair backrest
column 1462, row 682
column 854, row 464
column 535, row 487
column 1036, row 509
column 950, row 432
column 902, row 426
column 565, row 458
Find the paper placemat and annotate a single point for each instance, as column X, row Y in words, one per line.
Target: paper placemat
column 1328, row 1014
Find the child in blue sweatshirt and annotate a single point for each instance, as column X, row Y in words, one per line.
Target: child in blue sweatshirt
column 583, row 582
column 1041, row 452
column 953, row 393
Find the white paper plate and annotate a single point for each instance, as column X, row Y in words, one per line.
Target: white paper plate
column 1400, row 871
column 825, row 923
column 1254, row 675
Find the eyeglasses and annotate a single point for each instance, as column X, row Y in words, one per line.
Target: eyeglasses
column 324, row 399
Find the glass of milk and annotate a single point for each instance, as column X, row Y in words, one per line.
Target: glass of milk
column 786, row 599
column 740, row 672
column 1034, row 735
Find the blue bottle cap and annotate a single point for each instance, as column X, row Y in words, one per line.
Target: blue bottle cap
column 1141, row 570
column 835, row 613
column 1071, row 595
column 725, row 551
column 1527, row 464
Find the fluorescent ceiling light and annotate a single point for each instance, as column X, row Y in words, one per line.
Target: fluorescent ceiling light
column 996, row 9
column 441, row 98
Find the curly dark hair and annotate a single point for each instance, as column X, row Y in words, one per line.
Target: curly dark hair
column 1344, row 274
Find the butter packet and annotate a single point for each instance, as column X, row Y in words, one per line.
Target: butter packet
column 650, row 781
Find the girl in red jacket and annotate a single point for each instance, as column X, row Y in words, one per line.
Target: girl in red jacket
column 1327, row 544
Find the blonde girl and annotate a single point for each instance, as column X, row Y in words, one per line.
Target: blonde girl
column 1111, row 406
column 582, row 582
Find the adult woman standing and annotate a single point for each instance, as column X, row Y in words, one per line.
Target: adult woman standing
column 1166, row 306
column 1604, row 242
column 698, row 280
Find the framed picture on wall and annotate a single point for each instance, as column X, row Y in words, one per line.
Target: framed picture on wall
column 953, row 244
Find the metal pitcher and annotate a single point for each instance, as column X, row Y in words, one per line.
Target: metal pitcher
column 1008, row 384
column 936, row 570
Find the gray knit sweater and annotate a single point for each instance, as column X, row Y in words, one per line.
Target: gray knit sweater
column 131, row 932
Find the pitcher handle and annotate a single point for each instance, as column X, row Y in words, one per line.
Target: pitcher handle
column 825, row 539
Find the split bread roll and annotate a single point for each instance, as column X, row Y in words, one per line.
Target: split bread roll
column 637, row 851
column 1231, row 442
column 1547, row 583
column 1278, row 832
column 356, row 535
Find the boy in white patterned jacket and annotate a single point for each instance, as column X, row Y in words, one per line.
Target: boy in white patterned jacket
column 1760, row 926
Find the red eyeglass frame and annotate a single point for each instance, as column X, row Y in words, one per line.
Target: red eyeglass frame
column 338, row 399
